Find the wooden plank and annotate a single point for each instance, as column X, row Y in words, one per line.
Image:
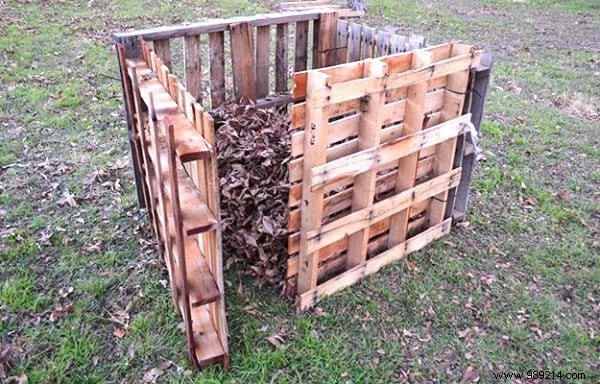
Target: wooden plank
column 416, row 42
column 355, row 89
column 309, row 298
column 456, row 87
column 317, row 124
column 368, row 159
column 178, row 239
column 163, row 50
column 407, row 168
column 354, row 40
column 397, row 44
column 281, row 59
column 367, row 44
column 342, row 200
column 324, row 54
column 341, row 43
column 243, row 65
column 348, row 126
column 208, row 347
column 481, row 80
column 190, row 145
column 354, row 70
column 301, row 46
column 217, row 25
column 134, row 148
column 201, row 283
column 263, row 39
column 193, row 69
column 216, row 42
column 369, row 135
column 383, row 43
column 355, row 221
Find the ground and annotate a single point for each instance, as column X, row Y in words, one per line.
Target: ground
column 514, row 288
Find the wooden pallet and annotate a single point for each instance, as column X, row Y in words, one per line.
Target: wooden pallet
column 174, row 140
column 374, row 145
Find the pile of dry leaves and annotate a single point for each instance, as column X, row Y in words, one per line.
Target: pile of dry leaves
column 253, row 149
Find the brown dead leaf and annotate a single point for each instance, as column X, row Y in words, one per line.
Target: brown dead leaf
column 276, row 340
column 151, row 375
column 564, row 195
column 60, row 311
column 67, row 198
column 119, row 332
column 470, row 375
column 7, row 356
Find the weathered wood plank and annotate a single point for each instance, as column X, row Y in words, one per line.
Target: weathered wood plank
column 317, row 125
column 263, row 39
column 407, row 168
column 243, row 65
column 301, row 46
column 193, row 66
column 371, row 158
column 281, row 59
column 309, row 298
column 354, row 40
column 383, row 43
column 341, row 43
column 163, row 50
column 216, row 42
column 367, row 44
column 324, row 54
column 369, row 135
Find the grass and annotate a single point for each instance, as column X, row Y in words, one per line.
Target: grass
column 515, row 289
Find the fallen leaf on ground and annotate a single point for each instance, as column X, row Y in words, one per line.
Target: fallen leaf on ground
column 59, row 311
column 470, row 375
column 151, row 375
column 119, row 332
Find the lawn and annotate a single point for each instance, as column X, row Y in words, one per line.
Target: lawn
column 83, row 296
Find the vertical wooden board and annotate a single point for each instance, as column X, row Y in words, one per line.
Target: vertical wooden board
column 301, row 46
column 383, row 43
column 315, row 43
column 315, row 153
column 369, row 135
column 407, row 167
column 325, row 40
column 193, row 68
column 163, row 50
column 216, row 42
column 263, row 39
column 367, row 43
column 354, row 40
column 397, row 44
column 416, row 42
column 341, row 44
column 281, row 59
column 243, row 65
column 454, row 97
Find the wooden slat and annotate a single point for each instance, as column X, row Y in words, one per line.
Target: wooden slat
column 341, row 44
column 325, row 32
column 354, row 40
column 193, row 69
column 190, row 145
column 354, row 70
column 407, row 169
column 355, row 89
column 456, row 85
column 317, row 125
column 369, row 159
column 163, row 50
column 343, row 199
column 355, row 221
column 208, row 348
column 178, row 239
column 383, row 43
column 369, row 135
column 263, row 39
column 309, row 298
column 216, row 42
column 201, row 283
column 397, row 44
column 281, row 59
column 367, row 44
column 301, row 46
column 243, row 65
column 217, row 25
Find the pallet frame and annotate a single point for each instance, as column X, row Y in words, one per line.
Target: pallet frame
column 412, row 81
